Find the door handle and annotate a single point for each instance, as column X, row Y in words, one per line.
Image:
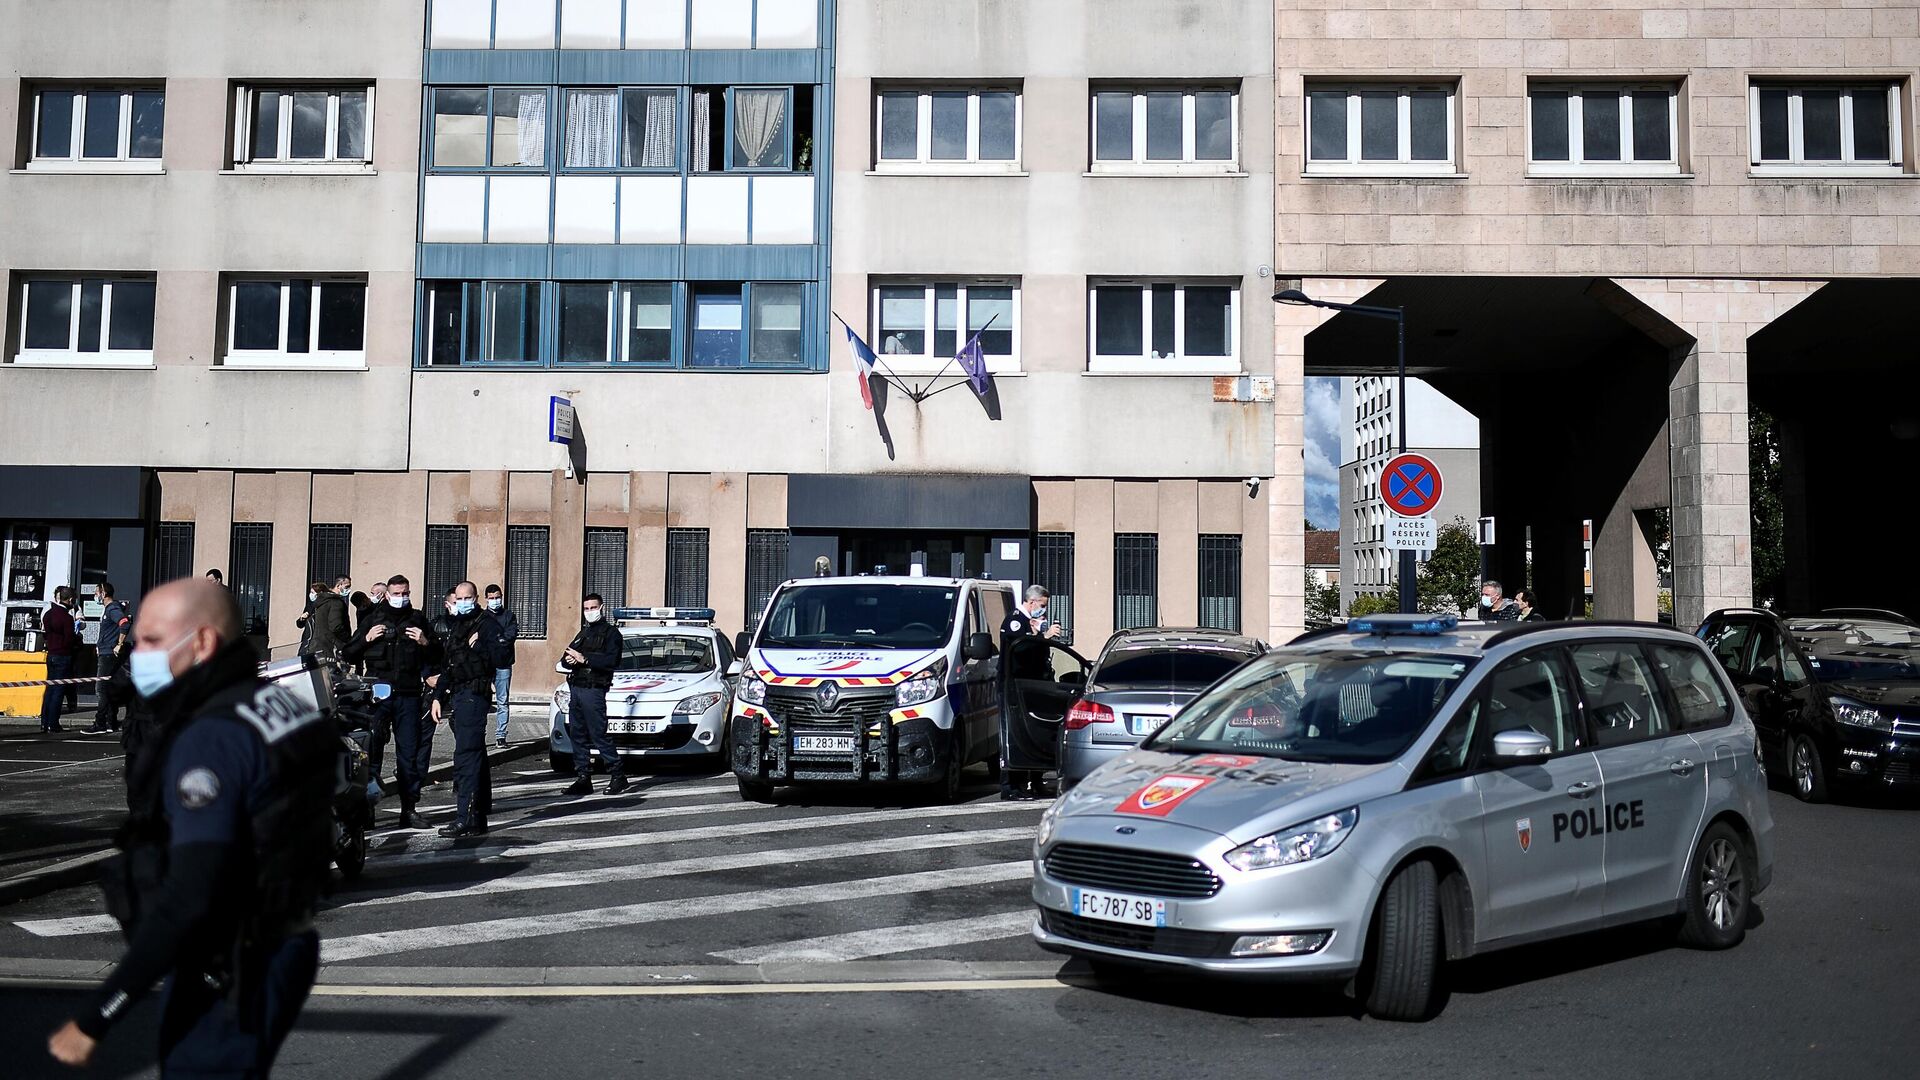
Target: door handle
column 1681, row 767
column 1583, row 789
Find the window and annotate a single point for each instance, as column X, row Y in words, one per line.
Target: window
column 98, row 128
column 303, row 126
column 723, row 337
column 1369, row 128
column 1220, row 582
column 947, row 128
column 1533, row 692
column 762, row 129
column 1622, row 696
column 751, row 129
column 86, row 320
column 687, row 568
column 172, row 552
column 315, row 321
column 622, row 129
column 606, row 565
column 1053, row 570
column 917, row 324
column 1849, row 127
column 250, row 573
column 527, row 577
column 766, row 569
column 1699, row 698
column 501, row 127
column 329, row 552
column 482, row 322
column 1136, row 580
column 1163, row 326
column 1162, row 129
column 731, row 325
column 447, row 567
column 1609, row 128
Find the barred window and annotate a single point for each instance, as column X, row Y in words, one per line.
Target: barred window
column 172, row 552
column 446, row 565
column 1220, row 582
column 687, row 568
column 1053, row 571
column 1136, row 580
column 329, row 552
column 606, row 569
column 250, row 573
column 527, row 577
column 766, row 569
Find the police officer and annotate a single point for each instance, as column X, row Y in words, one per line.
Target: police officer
column 227, row 850
column 1026, row 659
column 472, row 648
column 590, row 659
column 397, row 645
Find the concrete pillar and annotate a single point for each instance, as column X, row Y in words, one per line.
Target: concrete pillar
column 727, row 552
column 647, row 539
column 1626, row 575
column 1179, row 528
column 487, row 529
column 212, row 521
column 566, row 539
column 1092, row 563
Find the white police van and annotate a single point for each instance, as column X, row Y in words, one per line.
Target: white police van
column 887, row 679
column 669, row 695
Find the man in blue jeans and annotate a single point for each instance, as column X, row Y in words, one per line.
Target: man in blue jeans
column 502, row 677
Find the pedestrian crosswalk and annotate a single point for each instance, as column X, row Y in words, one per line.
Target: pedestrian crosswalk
column 680, row 871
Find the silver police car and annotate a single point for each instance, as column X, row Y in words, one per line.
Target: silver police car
column 1370, row 802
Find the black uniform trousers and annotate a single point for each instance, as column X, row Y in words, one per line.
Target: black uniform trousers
column 207, row 1032
column 472, row 784
column 587, row 724
column 399, row 715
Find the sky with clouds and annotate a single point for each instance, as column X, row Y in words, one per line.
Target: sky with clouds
column 1323, row 452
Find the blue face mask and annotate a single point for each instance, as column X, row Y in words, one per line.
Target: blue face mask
column 152, row 669
column 463, row 607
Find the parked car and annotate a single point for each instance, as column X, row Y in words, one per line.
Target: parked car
column 1138, row 682
column 670, row 694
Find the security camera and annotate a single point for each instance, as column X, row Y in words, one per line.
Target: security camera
column 1253, row 486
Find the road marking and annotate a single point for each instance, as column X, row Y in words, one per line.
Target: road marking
column 888, row 940
column 723, row 990
column 520, row 928
column 430, row 842
column 548, row 798
column 79, row 924
column 116, row 759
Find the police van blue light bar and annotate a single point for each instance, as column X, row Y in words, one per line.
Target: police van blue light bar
column 664, row 614
column 1382, row 625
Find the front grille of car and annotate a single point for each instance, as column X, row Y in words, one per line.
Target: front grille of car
column 1163, row 940
column 675, row 737
column 1904, row 726
column 1124, row 870
column 1898, row 772
column 798, row 705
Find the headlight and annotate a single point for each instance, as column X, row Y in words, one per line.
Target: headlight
column 695, row 705
column 752, row 691
column 1049, row 820
column 1854, row 714
column 923, row 687
column 562, row 696
column 1299, row 844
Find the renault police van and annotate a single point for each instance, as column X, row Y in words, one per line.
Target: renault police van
column 669, row 694
column 888, row 679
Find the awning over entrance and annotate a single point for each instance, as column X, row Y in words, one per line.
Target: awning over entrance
column 73, row 492
column 987, row 504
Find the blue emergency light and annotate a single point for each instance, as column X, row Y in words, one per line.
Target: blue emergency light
column 1383, row 625
column 664, row 614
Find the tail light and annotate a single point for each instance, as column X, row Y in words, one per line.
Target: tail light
column 1088, row 712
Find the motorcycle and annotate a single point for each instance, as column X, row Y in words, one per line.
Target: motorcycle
column 352, row 808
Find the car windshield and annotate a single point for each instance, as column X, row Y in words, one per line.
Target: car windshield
column 873, row 616
column 1346, row 707
column 671, row 654
column 1173, row 667
column 1859, row 650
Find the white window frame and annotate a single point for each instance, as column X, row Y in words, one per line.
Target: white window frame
column 1576, row 164
column 1796, row 165
column 1145, row 363
column 1187, row 165
column 243, row 107
column 929, row 362
column 923, row 162
column 280, row 357
column 73, row 162
column 1403, row 166
column 71, row 356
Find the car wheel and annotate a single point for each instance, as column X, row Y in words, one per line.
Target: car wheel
column 350, row 851
column 758, row 791
column 1402, row 976
column 949, row 782
column 561, row 764
column 1719, row 896
column 1807, row 771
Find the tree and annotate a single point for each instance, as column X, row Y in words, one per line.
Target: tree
column 1768, row 506
column 1372, row 604
column 1323, row 603
column 1450, row 578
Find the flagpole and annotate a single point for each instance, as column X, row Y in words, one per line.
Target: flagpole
column 950, row 360
column 889, row 376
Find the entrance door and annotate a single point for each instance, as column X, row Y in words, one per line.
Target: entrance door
column 958, row 555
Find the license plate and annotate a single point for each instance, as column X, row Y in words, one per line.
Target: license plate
column 636, row 727
column 1117, row 907
column 823, row 744
column 1143, row 725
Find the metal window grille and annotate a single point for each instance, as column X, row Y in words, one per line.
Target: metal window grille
column 250, row 573
column 527, row 577
column 329, row 551
column 1136, row 580
column 1220, row 582
column 172, row 552
column 446, row 565
column 606, row 569
column 1053, row 570
column 687, row 568
column 766, row 568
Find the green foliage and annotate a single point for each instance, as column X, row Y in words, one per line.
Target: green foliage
column 1369, row 604
column 1323, row 603
column 1450, row 579
column 1768, row 506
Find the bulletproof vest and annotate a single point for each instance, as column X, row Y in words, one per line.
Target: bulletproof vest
column 591, row 638
column 465, row 664
column 395, row 656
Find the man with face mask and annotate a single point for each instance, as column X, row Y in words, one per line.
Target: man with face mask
column 471, row 650
column 56, row 624
column 1494, row 605
column 396, row 644
column 498, row 610
column 590, row 660
column 227, row 850
column 377, row 595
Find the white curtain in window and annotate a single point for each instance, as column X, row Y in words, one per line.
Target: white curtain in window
column 758, row 116
column 590, row 129
column 703, row 131
column 533, row 128
column 658, row 151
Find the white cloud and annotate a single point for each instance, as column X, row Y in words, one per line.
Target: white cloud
column 1323, row 448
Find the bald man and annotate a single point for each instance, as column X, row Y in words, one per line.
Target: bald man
column 226, row 851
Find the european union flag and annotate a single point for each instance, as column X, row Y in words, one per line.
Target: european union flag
column 973, row 360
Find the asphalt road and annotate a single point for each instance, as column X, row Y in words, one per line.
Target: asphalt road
column 679, row 932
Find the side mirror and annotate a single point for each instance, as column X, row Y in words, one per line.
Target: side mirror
column 1073, row 678
column 978, row 647
column 1767, row 675
column 742, row 642
column 734, row 669
column 1521, row 744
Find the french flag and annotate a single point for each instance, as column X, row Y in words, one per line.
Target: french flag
column 863, row 356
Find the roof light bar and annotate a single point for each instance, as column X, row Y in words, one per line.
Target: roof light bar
column 663, row 614
column 1418, row 625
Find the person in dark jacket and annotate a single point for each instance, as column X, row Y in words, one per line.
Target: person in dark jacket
column 1527, row 605
column 115, row 622
column 590, row 661
column 57, row 625
column 472, row 648
column 503, row 677
column 327, row 630
column 396, row 644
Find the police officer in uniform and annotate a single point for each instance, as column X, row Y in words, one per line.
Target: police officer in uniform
column 472, row 647
column 1026, row 659
column 397, row 646
column 227, row 850
column 590, row 660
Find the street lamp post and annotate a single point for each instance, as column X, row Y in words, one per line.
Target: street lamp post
column 1409, row 587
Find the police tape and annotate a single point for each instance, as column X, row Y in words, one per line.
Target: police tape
column 53, row 682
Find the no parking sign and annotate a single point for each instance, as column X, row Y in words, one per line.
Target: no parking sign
column 1411, row 486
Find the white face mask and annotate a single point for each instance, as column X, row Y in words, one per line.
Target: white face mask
column 397, row 601
column 495, row 604
column 312, row 596
column 591, row 616
column 152, row 669
column 1485, row 600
